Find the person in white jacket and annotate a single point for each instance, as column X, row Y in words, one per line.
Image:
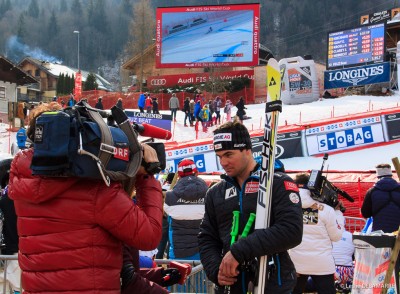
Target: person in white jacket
column 322, row 225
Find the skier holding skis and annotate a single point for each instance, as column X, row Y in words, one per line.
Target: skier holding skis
column 232, row 266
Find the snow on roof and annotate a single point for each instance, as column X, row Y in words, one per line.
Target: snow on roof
column 56, row 69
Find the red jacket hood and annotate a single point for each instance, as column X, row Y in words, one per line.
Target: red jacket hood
column 34, row 189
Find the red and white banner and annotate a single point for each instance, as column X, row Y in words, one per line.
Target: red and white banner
column 78, row 85
column 196, row 78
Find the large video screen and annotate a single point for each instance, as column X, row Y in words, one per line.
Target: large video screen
column 207, row 36
column 361, row 45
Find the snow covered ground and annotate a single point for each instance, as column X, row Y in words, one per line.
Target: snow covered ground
column 360, row 160
column 300, row 114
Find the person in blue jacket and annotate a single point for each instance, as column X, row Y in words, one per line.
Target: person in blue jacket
column 21, row 138
column 141, row 102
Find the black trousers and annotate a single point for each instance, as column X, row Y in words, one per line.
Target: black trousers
column 323, row 284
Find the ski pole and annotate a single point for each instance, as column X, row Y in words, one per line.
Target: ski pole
column 235, row 226
column 248, row 226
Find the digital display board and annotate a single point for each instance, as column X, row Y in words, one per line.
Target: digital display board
column 361, row 45
column 207, row 36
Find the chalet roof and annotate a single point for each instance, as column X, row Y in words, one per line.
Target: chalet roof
column 130, row 64
column 9, row 72
column 55, row 69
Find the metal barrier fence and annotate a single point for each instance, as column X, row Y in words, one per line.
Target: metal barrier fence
column 4, row 260
column 196, row 282
column 354, row 224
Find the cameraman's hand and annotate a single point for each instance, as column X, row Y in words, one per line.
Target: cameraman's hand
column 149, row 160
column 170, row 277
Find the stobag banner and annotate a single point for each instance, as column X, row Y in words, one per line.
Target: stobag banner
column 357, row 76
column 158, row 120
column 344, row 135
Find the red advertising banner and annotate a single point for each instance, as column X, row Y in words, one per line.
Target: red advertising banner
column 184, row 79
column 207, row 36
column 78, row 85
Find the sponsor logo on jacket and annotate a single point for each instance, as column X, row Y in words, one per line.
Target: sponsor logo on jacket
column 231, row 192
column 198, row 201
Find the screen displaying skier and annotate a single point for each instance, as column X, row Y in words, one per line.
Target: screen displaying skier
column 361, row 45
column 207, row 36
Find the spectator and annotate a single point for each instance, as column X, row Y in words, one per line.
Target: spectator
column 231, row 265
column 240, row 109
column 142, row 101
column 228, row 109
column 196, row 111
column 186, row 109
column 184, row 205
column 163, row 246
column 204, row 116
column 10, row 235
column 63, row 104
column 155, row 105
column 71, row 101
column 192, row 117
column 73, row 227
column 382, row 201
column 211, row 109
column 148, row 104
column 119, row 104
column 25, row 110
column 343, row 254
column 173, row 106
column 217, row 106
column 99, row 104
column 21, row 138
column 322, row 225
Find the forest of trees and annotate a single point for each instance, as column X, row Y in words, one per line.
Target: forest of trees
column 110, row 31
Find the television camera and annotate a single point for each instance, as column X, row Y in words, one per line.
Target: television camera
column 324, row 191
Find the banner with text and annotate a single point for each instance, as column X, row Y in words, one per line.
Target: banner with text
column 344, row 135
column 158, row 120
column 357, row 76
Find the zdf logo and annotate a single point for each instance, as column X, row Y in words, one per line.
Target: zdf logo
column 158, row 82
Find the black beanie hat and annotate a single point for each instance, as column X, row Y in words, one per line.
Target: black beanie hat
column 236, row 137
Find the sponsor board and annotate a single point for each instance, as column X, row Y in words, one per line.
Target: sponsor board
column 204, row 162
column 393, row 126
column 357, row 76
column 158, row 120
column 343, row 139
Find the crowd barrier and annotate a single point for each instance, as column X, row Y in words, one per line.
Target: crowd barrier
column 354, row 224
column 196, row 282
column 4, row 260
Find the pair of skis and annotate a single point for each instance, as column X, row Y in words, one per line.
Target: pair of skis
column 272, row 108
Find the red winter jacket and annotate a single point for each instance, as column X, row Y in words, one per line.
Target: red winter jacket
column 71, row 230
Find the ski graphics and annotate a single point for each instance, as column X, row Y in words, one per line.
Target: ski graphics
column 272, row 109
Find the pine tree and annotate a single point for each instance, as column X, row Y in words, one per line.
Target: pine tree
column 63, row 6
column 52, row 28
column 90, row 83
column 76, row 8
column 33, row 9
column 21, row 30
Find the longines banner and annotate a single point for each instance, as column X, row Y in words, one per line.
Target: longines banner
column 357, row 76
column 158, row 120
column 196, row 78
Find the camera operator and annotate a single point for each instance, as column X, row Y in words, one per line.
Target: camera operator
column 71, row 229
column 322, row 224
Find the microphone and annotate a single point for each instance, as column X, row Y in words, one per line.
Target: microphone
column 147, row 130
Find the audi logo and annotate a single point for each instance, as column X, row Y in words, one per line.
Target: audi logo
column 158, row 82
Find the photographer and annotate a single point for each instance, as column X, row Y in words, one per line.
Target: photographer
column 71, row 229
column 322, row 224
